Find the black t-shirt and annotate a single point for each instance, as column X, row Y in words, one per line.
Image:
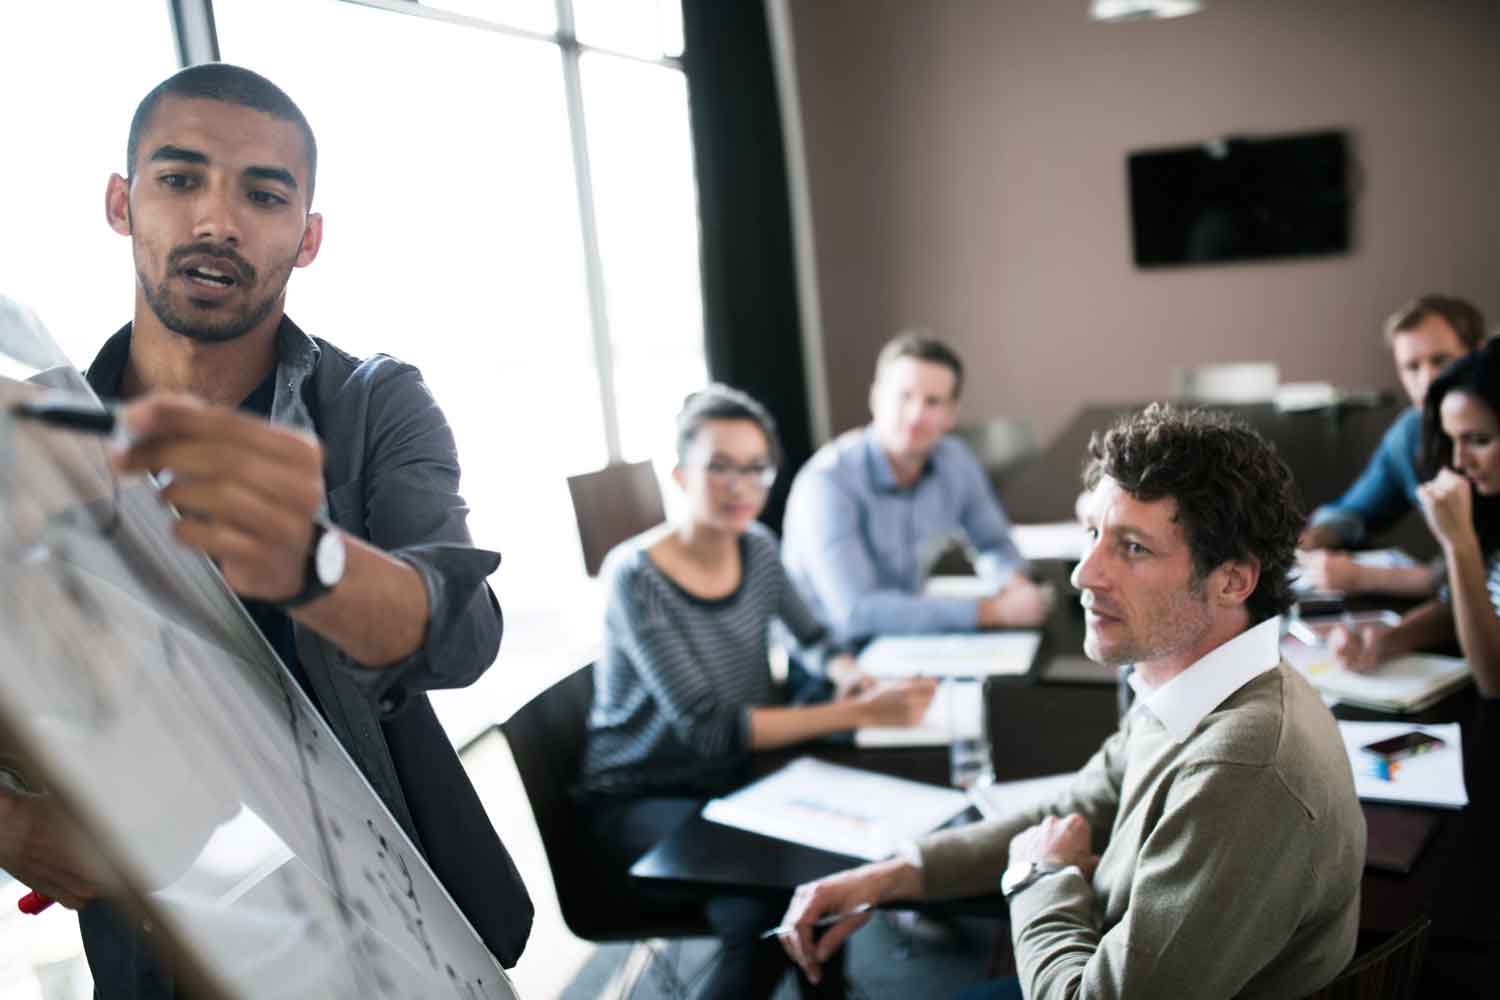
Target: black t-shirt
column 274, row 623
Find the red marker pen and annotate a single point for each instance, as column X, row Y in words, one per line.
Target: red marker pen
column 33, row 903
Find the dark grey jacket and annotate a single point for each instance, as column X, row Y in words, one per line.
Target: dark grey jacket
column 391, row 475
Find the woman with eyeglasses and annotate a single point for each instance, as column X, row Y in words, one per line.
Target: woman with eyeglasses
column 684, row 693
column 1461, row 502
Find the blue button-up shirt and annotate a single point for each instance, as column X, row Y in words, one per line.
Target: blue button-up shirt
column 858, row 546
column 1385, row 491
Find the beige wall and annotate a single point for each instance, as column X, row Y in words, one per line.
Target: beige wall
column 966, row 167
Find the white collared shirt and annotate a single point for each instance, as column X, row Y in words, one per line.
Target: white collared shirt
column 1182, row 702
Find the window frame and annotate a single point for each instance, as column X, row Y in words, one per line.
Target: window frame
column 197, row 42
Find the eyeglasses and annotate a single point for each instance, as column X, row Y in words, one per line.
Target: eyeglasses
column 724, row 474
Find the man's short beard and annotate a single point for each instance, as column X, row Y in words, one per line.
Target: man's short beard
column 231, row 328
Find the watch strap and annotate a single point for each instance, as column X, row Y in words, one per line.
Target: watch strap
column 312, row 584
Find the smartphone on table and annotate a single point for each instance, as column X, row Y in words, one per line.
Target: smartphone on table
column 1403, row 745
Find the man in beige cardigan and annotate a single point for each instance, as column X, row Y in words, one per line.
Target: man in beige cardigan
column 1213, row 846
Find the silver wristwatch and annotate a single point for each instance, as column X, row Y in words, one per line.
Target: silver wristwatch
column 326, row 557
column 1021, row 874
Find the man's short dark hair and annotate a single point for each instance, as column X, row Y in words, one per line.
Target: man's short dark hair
column 1463, row 316
column 924, row 347
column 717, row 401
column 232, row 85
column 1234, row 494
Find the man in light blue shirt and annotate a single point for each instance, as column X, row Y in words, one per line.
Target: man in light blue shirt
column 872, row 509
column 1425, row 335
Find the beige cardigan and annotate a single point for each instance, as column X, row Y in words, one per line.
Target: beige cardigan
column 1230, row 863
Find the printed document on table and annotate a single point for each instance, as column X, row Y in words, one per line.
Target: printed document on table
column 982, row 654
column 835, row 808
column 1434, row 778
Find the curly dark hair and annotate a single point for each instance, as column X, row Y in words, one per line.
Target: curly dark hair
column 1235, row 497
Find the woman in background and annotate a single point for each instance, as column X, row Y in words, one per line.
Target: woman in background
column 1461, row 502
column 684, row 693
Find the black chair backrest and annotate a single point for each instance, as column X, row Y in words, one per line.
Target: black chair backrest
column 617, row 502
column 546, row 740
column 1389, row 972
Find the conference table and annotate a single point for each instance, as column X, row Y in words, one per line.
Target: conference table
column 1038, row 725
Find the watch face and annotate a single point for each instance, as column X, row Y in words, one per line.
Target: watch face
column 329, row 558
column 1014, row 876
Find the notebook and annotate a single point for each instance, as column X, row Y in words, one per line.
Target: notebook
column 1405, row 684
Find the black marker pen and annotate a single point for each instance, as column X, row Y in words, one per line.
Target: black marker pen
column 71, row 415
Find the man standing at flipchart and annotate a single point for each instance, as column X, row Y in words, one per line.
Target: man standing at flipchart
column 323, row 486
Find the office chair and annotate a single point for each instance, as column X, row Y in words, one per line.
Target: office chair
column 1389, row 972
column 617, row 502
column 546, row 739
column 1243, row 382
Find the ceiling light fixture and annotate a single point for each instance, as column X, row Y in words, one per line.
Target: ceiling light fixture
column 1141, row 10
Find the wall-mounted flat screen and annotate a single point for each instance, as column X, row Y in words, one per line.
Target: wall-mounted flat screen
column 1240, row 199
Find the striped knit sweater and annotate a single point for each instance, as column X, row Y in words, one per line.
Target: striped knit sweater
column 673, row 692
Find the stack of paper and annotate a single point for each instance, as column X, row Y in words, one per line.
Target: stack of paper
column 1434, row 778
column 965, row 655
column 839, row 809
column 1405, row 684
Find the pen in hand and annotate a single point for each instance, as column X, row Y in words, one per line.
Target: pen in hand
column 76, row 415
column 827, row 920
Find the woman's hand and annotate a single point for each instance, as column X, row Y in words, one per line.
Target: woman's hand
column 896, row 703
column 1448, row 504
column 1328, row 570
column 848, row 680
column 1360, row 649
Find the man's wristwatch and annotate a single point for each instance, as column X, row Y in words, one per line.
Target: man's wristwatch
column 1021, row 874
column 326, row 557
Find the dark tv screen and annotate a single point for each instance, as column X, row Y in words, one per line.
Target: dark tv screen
column 1240, row 199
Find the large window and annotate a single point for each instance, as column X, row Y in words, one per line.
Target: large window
column 68, row 94
column 509, row 201
column 513, row 212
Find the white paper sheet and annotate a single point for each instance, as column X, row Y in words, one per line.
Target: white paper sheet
column 1434, row 778
column 1377, row 558
column 840, row 809
column 1007, row 798
column 955, row 708
column 982, row 654
column 964, row 588
column 1057, row 540
column 1404, row 684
